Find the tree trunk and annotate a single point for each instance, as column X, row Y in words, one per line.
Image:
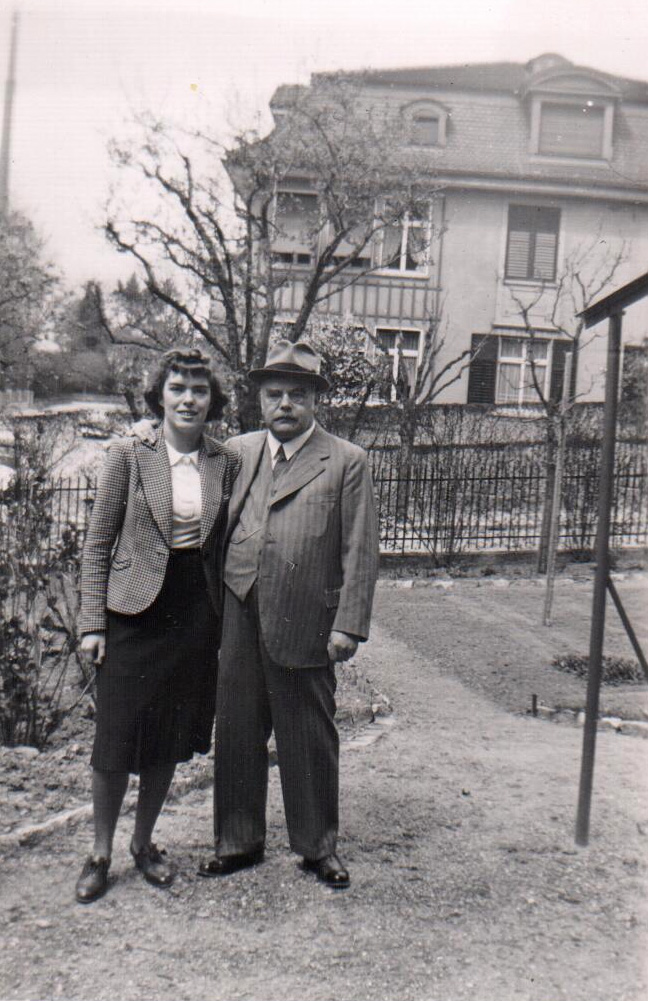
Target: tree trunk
column 407, row 433
column 248, row 410
column 133, row 409
column 550, row 481
column 358, row 417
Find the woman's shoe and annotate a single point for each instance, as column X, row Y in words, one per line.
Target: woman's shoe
column 93, row 881
column 151, row 862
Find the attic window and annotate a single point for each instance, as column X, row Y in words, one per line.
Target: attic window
column 425, row 123
column 571, row 129
column 424, row 129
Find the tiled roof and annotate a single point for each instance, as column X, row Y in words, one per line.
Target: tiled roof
column 488, row 124
column 502, row 77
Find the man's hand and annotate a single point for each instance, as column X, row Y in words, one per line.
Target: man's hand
column 144, row 430
column 341, row 646
column 93, row 648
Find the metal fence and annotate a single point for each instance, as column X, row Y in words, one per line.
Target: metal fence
column 447, row 500
column 464, row 498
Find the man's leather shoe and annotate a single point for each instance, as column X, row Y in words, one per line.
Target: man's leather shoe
column 329, row 870
column 152, row 863
column 93, row 881
column 223, row 865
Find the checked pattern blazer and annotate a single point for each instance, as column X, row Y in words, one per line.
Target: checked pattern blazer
column 129, row 537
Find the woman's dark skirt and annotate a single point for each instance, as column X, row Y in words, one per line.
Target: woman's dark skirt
column 156, row 689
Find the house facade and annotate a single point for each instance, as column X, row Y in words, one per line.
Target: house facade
column 540, row 206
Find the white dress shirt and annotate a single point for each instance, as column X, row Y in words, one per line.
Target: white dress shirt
column 187, row 498
column 290, row 447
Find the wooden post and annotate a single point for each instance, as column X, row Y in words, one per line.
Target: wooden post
column 597, row 631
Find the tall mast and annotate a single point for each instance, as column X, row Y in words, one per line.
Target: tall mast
column 5, row 146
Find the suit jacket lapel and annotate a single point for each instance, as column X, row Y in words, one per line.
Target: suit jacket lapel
column 251, row 454
column 212, row 466
column 304, row 466
column 155, row 475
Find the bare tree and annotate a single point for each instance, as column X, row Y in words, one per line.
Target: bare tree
column 330, row 184
column 586, row 274
column 416, row 388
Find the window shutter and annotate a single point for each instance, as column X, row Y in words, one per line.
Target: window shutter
column 532, row 242
column 544, row 265
column 483, row 369
column 560, row 349
column 517, row 262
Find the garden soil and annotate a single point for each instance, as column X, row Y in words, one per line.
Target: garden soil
column 457, row 812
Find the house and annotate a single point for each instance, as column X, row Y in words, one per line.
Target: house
column 539, row 173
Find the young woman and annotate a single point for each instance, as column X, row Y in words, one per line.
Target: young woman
column 151, row 607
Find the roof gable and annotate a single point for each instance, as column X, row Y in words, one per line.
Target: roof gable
column 575, row 82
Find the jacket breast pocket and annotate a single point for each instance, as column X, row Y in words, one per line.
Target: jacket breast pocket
column 120, row 563
column 322, row 499
column 242, row 535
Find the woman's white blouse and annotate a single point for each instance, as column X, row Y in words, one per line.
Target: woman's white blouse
column 187, row 498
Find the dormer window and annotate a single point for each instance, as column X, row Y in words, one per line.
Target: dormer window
column 572, row 112
column 424, row 129
column 425, row 123
column 572, row 129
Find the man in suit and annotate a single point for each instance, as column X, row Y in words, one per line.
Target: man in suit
column 300, row 572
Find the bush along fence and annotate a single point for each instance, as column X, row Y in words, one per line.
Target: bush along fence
column 41, row 675
column 445, row 500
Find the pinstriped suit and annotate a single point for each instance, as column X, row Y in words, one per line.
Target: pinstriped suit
column 133, row 509
column 317, row 571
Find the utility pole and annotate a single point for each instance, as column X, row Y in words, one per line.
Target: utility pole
column 5, row 145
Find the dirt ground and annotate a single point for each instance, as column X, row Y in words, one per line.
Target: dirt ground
column 457, row 825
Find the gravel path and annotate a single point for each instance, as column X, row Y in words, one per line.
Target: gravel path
column 457, row 825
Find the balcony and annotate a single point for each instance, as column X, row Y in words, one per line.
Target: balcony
column 383, row 298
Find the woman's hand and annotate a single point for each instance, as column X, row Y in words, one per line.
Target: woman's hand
column 143, row 429
column 93, row 648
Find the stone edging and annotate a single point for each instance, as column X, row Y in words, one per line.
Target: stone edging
column 499, row 583
column 576, row 717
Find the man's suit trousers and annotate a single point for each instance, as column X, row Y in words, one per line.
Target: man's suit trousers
column 254, row 697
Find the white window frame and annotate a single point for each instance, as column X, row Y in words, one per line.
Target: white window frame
column 300, row 249
column 407, row 224
column 395, row 353
column 524, row 363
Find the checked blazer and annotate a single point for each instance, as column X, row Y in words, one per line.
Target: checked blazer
column 129, row 537
column 319, row 559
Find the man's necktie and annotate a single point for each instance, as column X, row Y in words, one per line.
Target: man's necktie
column 280, row 462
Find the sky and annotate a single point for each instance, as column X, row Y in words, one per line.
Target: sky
column 84, row 68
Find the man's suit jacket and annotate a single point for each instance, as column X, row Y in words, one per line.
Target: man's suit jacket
column 130, row 533
column 319, row 561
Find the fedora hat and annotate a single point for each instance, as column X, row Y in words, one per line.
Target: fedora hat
column 298, row 360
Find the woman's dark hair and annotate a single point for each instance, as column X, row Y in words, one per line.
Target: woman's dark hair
column 184, row 361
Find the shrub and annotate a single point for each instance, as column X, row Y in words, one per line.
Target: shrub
column 616, row 670
column 38, row 603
